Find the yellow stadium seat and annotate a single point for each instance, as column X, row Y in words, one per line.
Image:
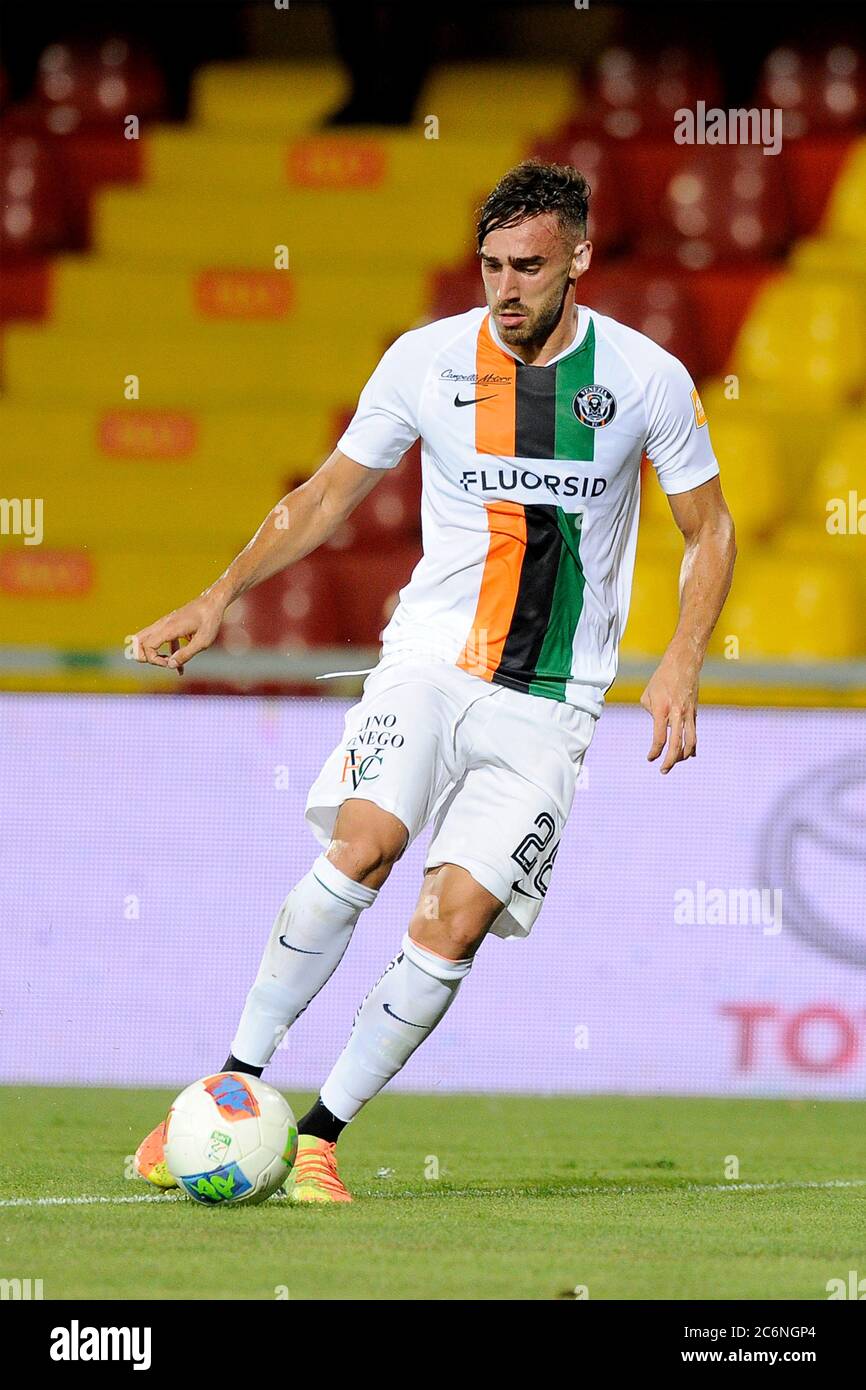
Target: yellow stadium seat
column 803, row 339
column 806, row 541
column 838, row 492
column 266, row 96
column 249, row 365
column 200, row 159
column 87, row 291
column 225, row 445
column 79, row 599
column 798, row 433
column 654, row 607
column 845, row 217
column 784, row 608
column 751, row 476
column 339, row 228
column 513, row 98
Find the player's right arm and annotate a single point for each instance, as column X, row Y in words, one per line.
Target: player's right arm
column 297, row 525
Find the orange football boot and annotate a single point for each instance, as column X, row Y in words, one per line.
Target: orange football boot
column 315, row 1172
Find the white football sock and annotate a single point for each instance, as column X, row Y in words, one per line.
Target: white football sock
column 307, row 942
column 401, row 1010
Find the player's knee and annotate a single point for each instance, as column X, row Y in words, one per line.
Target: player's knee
column 367, row 842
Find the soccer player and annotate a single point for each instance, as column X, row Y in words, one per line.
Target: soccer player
column 534, row 415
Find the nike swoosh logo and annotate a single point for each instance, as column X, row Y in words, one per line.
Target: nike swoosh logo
column 389, row 1010
column 289, row 947
column 476, row 399
column 515, row 888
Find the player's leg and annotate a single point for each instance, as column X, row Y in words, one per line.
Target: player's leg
column 375, row 792
column 313, row 929
column 307, row 942
column 452, row 917
column 488, row 866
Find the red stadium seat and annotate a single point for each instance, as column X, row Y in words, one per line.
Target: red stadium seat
column 597, row 159
column 25, row 289
column 816, row 91
column 368, row 584
column 810, row 167
column 727, row 204
column 722, row 296
column 298, row 607
column 390, row 516
column 455, row 291
column 661, row 306
column 79, row 85
column 648, row 165
column 633, row 95
column 35, row 215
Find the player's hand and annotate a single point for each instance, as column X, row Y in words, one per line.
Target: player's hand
column 671, row 697
column 196, row 624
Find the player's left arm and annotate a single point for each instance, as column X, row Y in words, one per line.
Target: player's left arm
column 671, row 696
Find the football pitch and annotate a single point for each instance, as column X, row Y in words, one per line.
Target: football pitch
column 458, row 1197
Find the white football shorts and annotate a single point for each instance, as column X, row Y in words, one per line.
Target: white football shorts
column 494, row 769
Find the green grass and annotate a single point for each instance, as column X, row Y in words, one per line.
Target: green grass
column 534, row 1197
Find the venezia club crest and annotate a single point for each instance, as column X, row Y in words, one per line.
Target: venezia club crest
column 594, row 406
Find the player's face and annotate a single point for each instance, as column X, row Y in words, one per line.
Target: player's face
column 529, row 272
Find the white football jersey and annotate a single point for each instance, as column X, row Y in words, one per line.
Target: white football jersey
column 531, row 485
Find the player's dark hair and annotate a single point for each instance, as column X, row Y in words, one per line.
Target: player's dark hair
column 534, row 187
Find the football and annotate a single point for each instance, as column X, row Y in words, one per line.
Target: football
column 230, row 1139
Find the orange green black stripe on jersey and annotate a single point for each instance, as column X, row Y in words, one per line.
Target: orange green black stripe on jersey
column 530, row 600
column 531, row 413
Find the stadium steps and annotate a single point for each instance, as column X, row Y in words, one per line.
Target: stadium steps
column 97, row 294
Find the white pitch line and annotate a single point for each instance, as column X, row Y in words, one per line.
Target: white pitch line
column 574, row 1190
column 89, row 1201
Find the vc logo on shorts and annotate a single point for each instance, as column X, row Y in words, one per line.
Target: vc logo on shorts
column 360, row 767
column 365, row 750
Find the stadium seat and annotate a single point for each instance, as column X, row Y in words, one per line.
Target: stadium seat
column 659, row 305
column 390, row 516
column 654, row 607
column 811, row 168
column 815, row 90
column 783, row 608
column 79, row 85
column 84, row 599
column 298, row 607
column 649, row 163
column 453, row 291
column 242, row 366
column 87, row 291
column 725, row 205
column 35, row 216
column 804, row 542
column 630, row 95
column 25, row 289
column 368, row 584
column 753, row 479
column 259, row 97
column 804, row 337
column 516, row 99
column 846, row 212
column 163, row 226
column 840, row 472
